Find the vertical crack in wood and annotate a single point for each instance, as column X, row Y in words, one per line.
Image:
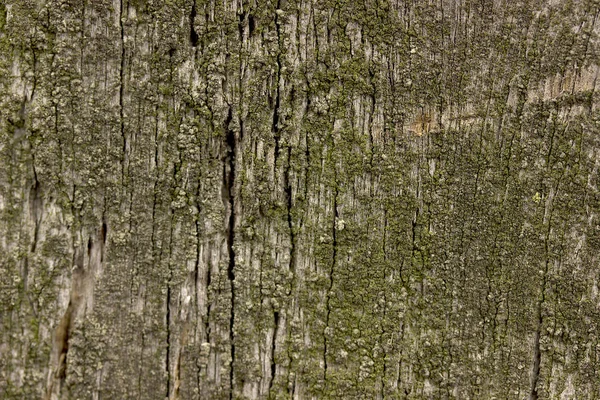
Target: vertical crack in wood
column 193, row 34
column 273, row 351
column 537, row 351
column 176, row 169
column 122, row 87
column 196, row 276
column 275, row 129
column 229, row 186
column 36, row 210
column 331, row 281
column 168, row 327
column 547, row 219
column 385, row 301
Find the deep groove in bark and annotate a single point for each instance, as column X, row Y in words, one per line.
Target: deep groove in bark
column 153, row 242
column 193, row 34
column 168, row 313
column 331, row 272
column 537, row 354
column 275, row 123
column 383, row 330
column 289, row 217
column 168, row 325
column 273, row 350
column 37, row 208
column 103, row 238
column 229, row 186
column 122, row 89
column 474, row 92
column 197, row 260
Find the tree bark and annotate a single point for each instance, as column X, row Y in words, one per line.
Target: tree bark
column 299, row 199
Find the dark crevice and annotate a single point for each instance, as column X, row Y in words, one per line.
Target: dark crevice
column 103, row 235
column 292, row 262
column 35, row 74
column 196, row 280
column 273, row 350
column 198, row 234
column 300, row 224
column 168, row 300
column 275, row 128
column 122, row 89
column 306, row 158
column 207, row 323
column 153, row 240
column 414, row 247
column 208, row 278
column 292, row 265
column 385, row 302
column 168, row 355
column 373, row 103
column 537, row 354
column 168, row 315
column 104, row 232
column 90, row 244
column 229, row 183
column 251, row 25
column 193, row 34
column 36, row 205
column 3, row 14
column 289, row 202
column 176, row 184
column 143, row 344
column 331, row 272
column 168, row 323
column 82, row 40
column 275, row 124
column 242, row 18
column 155, row 256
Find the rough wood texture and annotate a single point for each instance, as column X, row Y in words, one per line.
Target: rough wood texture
column 206, row 199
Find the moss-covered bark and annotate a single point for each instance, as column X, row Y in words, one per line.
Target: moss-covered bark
column 292, row 199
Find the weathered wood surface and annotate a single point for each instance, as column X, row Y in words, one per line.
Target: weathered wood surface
column 205, row 199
